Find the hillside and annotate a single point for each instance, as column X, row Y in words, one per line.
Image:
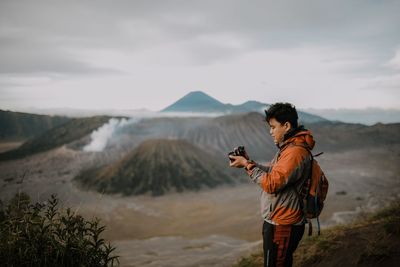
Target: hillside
column 158, row 166
column 20, row 126
column 63, row 134
column 372, row 240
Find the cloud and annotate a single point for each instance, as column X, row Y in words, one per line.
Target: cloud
column 205, row 30
column 395, row 61
column 388, row 81
column 65, row 49
column 24, row 54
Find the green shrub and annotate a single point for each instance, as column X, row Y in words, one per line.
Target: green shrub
column 41, row 234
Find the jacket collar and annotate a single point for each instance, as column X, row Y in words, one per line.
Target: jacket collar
column 298, row 135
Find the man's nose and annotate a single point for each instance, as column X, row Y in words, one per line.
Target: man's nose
column 270, row 131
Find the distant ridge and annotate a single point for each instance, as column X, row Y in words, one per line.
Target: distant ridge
column 200, row 102
column 158, row 166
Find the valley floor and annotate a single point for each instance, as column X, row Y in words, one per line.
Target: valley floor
column 211, row 227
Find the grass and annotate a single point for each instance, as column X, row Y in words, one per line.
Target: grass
column 372, row 240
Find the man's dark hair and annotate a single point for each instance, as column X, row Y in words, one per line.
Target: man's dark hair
column 282, row 112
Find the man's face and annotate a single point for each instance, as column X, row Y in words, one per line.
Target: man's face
column 278, row 130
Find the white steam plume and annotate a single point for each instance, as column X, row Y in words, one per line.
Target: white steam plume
column 101, row 136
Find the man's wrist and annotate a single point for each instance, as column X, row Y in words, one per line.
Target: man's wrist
column 250, row 164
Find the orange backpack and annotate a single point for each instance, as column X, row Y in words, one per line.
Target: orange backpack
column 314, row 191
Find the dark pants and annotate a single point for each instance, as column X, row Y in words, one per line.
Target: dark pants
column 280, row 241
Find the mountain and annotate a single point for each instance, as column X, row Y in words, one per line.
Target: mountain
column 158, row 166
column 20, row 126
column 72, row 130
column 197, row 102
column 200, row 102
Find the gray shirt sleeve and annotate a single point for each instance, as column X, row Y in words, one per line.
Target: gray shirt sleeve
column 257, row 172
column 263, row 167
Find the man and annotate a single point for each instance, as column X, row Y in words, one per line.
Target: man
column 281, row 183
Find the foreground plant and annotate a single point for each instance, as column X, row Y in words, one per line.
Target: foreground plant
column 41, row 234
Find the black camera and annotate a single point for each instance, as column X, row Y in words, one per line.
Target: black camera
column 238, row 151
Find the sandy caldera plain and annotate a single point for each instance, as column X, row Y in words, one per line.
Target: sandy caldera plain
column 212, row 227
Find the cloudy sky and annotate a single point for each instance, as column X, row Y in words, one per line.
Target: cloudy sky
column 147, row 54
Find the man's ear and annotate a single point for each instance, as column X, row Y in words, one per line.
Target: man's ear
column 287, row 126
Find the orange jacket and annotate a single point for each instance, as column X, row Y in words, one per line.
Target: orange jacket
column 284, row 176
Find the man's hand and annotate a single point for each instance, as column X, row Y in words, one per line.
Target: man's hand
column 241, row 151
column 238, row 161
